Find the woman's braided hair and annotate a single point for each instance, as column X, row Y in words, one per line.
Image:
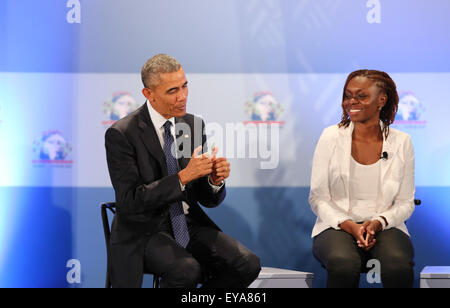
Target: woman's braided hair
column 387, row 85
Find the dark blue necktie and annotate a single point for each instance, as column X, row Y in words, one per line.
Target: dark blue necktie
column 179, row 225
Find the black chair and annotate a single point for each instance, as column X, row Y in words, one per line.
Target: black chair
column 111, row 206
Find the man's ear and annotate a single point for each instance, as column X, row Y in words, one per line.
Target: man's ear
column 148, row 93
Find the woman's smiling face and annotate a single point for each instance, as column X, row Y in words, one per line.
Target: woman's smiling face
column 363, row 100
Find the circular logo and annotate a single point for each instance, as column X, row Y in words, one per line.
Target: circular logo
column 51, row 147
column 119, row 106
column 264, row 108
column 409, row 107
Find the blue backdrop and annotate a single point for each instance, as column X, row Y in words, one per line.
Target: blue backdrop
column 64, row 65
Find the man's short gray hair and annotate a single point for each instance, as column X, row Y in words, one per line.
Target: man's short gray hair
column 157, row 65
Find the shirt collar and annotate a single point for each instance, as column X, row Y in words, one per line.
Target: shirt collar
column 157, row 119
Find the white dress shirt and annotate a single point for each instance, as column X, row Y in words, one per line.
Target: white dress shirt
column 159, row 121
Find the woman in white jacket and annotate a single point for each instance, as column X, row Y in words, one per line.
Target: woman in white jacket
column 362, row 187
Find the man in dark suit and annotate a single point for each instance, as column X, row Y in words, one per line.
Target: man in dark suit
column 159, row 226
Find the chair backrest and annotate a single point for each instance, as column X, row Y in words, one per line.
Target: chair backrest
column 111, row 206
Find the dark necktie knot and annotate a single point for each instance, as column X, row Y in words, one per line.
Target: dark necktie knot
column 167, row 126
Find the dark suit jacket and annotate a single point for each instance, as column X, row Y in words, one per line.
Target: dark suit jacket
column 144, row 190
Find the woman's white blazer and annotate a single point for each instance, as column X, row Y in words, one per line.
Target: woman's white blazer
column 329, row 196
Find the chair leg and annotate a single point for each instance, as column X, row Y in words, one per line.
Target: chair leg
column 108, row 280
column 155, row 281
column 107, row 285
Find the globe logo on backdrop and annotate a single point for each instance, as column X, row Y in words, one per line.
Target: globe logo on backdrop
column 410, row 110
column 263, row 108
column 117, row 107
column 52, row 148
